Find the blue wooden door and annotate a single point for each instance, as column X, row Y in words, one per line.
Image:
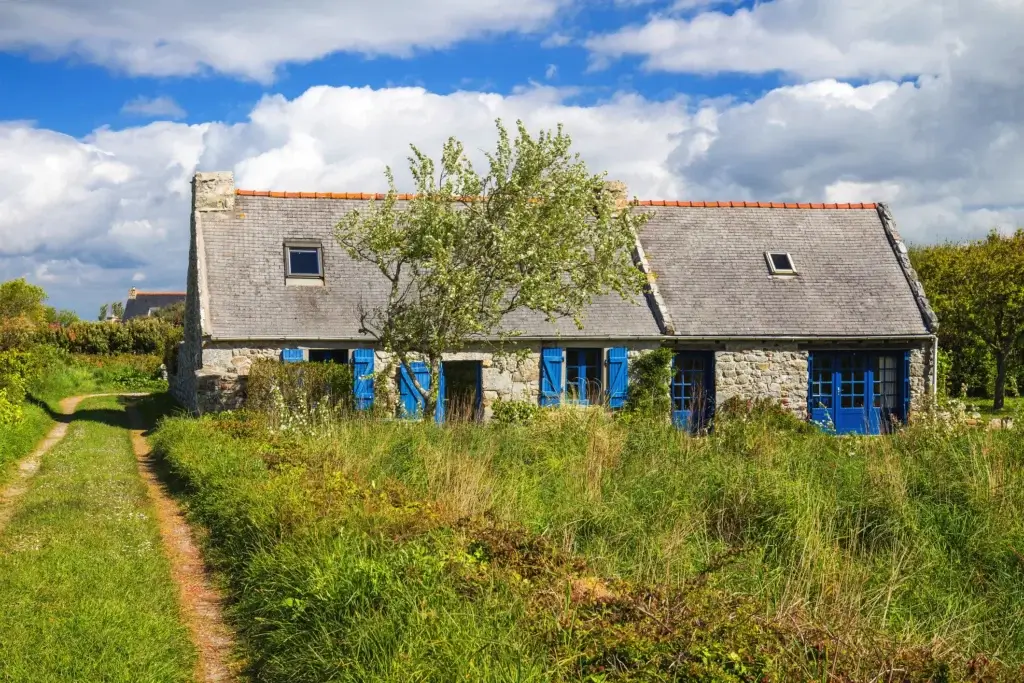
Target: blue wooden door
column 411, row 402
column 362, row 378
column 858, row 392
column 693, row 390
column 854, row 385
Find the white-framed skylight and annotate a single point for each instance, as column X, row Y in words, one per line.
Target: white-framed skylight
column 780, row 263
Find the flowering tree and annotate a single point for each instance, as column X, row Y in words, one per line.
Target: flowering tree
column 536, row 231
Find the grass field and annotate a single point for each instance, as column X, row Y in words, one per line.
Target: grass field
column 86, row 589
column 17, row 441
column 583, row 549
column 1012, row 406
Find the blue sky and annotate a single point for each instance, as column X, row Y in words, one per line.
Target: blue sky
column 107, row 107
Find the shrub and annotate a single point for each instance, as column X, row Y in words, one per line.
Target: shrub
column 650, row 379
column 17, row 332
column 764, row 412
column 127, row 372
column 513, row 412
column 10, row 409
column 139, row 336
column 285, row 390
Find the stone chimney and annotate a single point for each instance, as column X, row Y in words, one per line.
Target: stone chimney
column 619, row 191
column 132, row 293
column 213, row 191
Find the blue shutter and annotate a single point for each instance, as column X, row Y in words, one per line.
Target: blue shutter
column 439, row 410
column 362, row 378
column 906, row 386
column 618, row 376
column 551, row 362
column 291, row 355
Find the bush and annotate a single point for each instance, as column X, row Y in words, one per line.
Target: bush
column 125, row 372
column 766, row 413
column 10, row 409
column 299, row 389
column 650, row 379
column 513, row 412
column 138, row 336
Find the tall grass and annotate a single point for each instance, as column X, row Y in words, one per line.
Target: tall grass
column 847, row 555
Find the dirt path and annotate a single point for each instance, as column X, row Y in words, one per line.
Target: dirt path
column 202, row 605
column 29, row 465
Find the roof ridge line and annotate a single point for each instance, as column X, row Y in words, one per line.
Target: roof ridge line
column 379, row 196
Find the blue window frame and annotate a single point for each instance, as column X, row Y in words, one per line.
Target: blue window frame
column 693, row 390
column 584, row 374
column 303, row 261
column 858, row 392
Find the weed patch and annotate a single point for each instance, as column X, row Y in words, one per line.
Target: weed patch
column 582, row 548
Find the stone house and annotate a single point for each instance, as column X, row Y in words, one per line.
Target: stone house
column 813, row 305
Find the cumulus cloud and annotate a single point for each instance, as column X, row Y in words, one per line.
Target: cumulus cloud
column 154, row 107
column 101, row 212
column 251, row 38
column 814, row 39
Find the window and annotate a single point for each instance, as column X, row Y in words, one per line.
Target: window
column 583, row 375
column 303, row 261
column 339, row 356
column 780, row 263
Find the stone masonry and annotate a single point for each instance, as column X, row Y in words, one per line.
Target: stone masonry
column 753, row 373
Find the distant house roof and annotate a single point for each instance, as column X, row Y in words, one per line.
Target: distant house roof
column 708, row 259
column 142, row 304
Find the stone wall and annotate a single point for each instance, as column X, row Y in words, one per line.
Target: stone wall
column 777, row 373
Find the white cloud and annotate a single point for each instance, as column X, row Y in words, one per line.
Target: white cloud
column 154, row 107
column 102, row 211
column 815, row 39
column 551, row 71
column 252, row 38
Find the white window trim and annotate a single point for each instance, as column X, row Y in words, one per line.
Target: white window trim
column 778, row 271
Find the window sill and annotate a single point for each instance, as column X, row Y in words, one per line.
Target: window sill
column 304, row 281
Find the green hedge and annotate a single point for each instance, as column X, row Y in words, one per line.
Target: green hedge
column 139, row 336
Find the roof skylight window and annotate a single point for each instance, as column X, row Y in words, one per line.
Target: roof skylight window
column 780, row 263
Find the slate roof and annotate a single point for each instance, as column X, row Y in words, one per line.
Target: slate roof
column 708, row 259
column 140, row 306
column 248, row 298
column 714, row 279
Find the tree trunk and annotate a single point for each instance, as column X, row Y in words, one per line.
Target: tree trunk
column 1000, row 393
column 432, row 396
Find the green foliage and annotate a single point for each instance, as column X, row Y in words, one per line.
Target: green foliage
column 64, row 317
column 10, row 406
column 537, row 232
column 285, row 390
column 173, row 314
column 514, row 412
column 977, row 290
column 19, row 298
column 139, row 335
column 125, row 372
column 579, row 548
column 19, row 434
column 763, row 414
column 650, row 378
column 104, row 310
column 117, row 308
